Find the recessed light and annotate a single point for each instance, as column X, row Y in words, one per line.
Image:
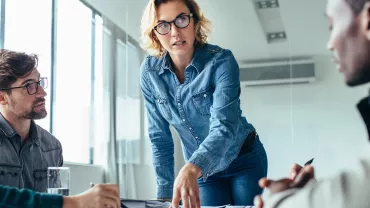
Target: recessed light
column 276, row 36
column 267, row 4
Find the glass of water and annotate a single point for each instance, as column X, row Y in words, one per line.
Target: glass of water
column 58, row 180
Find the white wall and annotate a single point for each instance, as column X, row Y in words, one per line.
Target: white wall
column 317, row 120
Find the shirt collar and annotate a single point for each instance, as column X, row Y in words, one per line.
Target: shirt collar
column 166, row 63
column 364, row 108
column 197, row 61
column 10, row 132
column 6, row 128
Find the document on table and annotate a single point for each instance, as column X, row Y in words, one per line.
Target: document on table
column 129, row 203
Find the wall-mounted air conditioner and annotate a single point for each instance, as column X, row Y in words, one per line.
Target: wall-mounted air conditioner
column 282, row 71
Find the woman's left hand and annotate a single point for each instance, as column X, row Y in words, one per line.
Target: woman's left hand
column 186, row 187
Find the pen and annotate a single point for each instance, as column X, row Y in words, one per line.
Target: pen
column 308, row 162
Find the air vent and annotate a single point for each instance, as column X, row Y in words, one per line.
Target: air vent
column 277, row 72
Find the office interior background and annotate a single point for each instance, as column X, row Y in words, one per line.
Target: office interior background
column 90, row 51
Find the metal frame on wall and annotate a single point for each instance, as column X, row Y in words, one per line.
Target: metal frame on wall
column 2, row 23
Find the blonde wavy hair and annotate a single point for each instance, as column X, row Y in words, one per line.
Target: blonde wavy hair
column 150, row 42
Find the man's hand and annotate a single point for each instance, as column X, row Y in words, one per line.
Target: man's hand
column 294, row 170
column 305, row 174
column 99, row 196
column 298, row 178
column 186, row 187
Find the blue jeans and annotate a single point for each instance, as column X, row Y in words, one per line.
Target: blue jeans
column 238, row 184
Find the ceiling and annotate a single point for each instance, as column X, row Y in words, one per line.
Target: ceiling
column 236, row 26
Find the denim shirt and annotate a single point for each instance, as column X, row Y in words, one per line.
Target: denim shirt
column 25, row 165
column 204, row 111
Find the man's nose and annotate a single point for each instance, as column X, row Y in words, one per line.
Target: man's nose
column 40, row 92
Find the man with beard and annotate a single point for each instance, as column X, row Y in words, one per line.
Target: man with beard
column 26, row 149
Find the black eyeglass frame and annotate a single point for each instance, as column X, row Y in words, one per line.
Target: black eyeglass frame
column 27, row 86
column 189, row 16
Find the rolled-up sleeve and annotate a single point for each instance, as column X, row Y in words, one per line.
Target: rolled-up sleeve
column 224, row 120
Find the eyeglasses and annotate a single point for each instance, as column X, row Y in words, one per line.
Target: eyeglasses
column 181, row 21
column 32, row 87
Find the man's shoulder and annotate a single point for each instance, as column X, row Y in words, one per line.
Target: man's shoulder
column 48, row 141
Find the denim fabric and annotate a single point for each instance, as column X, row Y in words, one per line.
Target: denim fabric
column 25, row 165
column 238, row 184
column 204, row 111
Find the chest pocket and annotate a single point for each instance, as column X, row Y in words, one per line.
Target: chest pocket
column 10, row 175
column 163, row 107
column 40, row 179
column 203, row 102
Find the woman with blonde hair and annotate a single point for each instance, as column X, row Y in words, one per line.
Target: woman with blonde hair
column 194, row 86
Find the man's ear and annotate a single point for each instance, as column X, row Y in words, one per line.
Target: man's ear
column 365, row 20
column 3, row 98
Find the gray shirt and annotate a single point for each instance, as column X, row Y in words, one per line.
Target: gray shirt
column 25, row 165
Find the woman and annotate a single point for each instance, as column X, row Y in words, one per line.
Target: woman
column 194, row 86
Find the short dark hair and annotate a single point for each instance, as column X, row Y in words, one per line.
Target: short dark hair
column 14, row 65
column 357, row 5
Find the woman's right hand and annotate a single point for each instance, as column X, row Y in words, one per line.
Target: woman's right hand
column 99, row 196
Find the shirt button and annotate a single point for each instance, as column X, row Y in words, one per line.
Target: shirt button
column 178, row 104
column 196, row 137
column 205, row 95
column 190, row 128
column 183, row 120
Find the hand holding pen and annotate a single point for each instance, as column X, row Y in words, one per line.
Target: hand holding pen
column 299, row 176
column 295, row 169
